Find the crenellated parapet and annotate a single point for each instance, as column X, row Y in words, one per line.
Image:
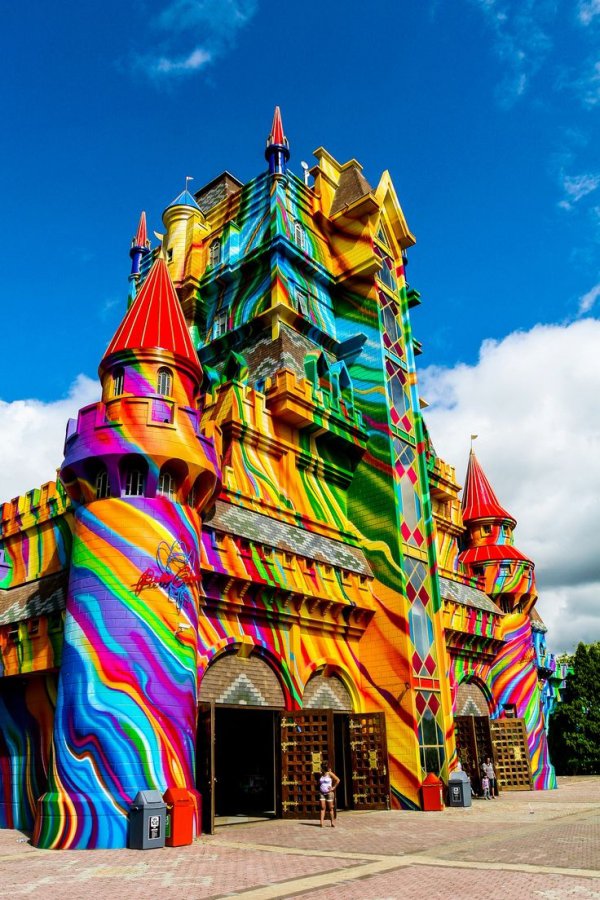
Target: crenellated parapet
column 32, row 508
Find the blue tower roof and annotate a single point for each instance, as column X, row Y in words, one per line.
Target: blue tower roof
column 184, row 199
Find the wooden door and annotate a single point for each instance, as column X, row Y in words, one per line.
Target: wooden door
column 370, row 771
column 511, row 753
column 306, row 740
column 205, row 764
column 466, row 747
column 473, row 744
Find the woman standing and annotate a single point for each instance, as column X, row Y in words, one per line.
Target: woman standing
column 328, row 781
column 488, row 771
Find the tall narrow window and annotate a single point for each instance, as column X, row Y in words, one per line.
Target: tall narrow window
column 166, row 485
column 134, row 483
column 301, row 298
column 386, row 273
column 214, row 257
column 299, row 236
column 220, row 323
column 118, row 382
column 102, row 485
column 165, row 382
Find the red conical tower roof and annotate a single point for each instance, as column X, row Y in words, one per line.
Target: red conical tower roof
column 479, row 500
column 155, row 320
column 277, row 136
column 141, row 235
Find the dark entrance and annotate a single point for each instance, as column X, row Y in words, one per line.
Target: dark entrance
column 342, row 760
column 263, row 763
column 245, row 767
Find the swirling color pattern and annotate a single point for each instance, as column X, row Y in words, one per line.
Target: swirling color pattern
column 288, row 475
column 126, row 710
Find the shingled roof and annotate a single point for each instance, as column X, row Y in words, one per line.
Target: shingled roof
column 155, row 320
column 467, row 596
column 352, row 186
column 36, row 598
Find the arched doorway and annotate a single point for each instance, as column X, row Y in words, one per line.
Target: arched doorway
column 326, row 691
column 472, row 729
column 352, row 743
column 237, row 743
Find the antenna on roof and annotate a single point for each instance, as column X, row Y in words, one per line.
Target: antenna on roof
column 305, row 167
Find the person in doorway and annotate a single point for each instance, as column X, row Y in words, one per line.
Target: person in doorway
column 485, row 787
column 328, row 781
column 488, row 771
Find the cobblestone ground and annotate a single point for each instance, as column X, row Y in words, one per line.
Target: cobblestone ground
column 534, row 845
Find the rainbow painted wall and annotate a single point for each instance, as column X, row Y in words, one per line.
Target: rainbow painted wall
column 256, row 474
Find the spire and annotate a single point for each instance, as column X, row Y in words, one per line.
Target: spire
column 479, row 500
column 141, row 236
column 155, row 320
column 139, row 246
column 278, row 150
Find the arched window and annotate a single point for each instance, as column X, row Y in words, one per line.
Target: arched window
column 214, row 257
column 134, row 482
column 193, row 495
column 299, row 236
column 166, row 485
column 118, row 382
column 165, row 382
column 102, row 484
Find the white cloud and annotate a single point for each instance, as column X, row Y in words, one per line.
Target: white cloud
column 533, row 400
column 33, row 435
column 183, row 66
column 588, row 86
column 587, row 11
column 521, row 41
column 179, row 22
column 578, row 186
column 587, row 301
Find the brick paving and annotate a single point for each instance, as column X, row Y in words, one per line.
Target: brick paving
column 532, row 845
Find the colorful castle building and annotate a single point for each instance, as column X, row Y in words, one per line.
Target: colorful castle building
column 253, row 559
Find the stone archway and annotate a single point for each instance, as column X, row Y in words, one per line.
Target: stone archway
column 325, row 691
column 236, row 680
column 240, row 705
column 471, row 700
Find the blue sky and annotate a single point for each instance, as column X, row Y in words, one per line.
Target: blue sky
column 484, row 111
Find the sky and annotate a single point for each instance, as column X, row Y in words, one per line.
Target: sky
column 486, row 114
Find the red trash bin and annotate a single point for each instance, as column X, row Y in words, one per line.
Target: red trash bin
column 432, row 794
column 181, row 809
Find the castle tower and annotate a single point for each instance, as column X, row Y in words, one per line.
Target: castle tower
column 184, row 224
column 489, row 549
column 277, row 152
column 138, row 472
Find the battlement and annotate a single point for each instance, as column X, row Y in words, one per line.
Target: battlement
column 37, row 505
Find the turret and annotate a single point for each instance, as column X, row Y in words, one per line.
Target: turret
column 182, row 218
column 488, row 545
column 277, row 152
column 139, row 472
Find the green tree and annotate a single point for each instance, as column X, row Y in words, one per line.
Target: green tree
column 574, row 734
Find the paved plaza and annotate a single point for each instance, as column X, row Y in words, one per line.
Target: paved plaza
column 529, row 844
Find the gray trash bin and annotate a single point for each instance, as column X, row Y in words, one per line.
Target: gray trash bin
column 459, row 789
column 147, row 820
